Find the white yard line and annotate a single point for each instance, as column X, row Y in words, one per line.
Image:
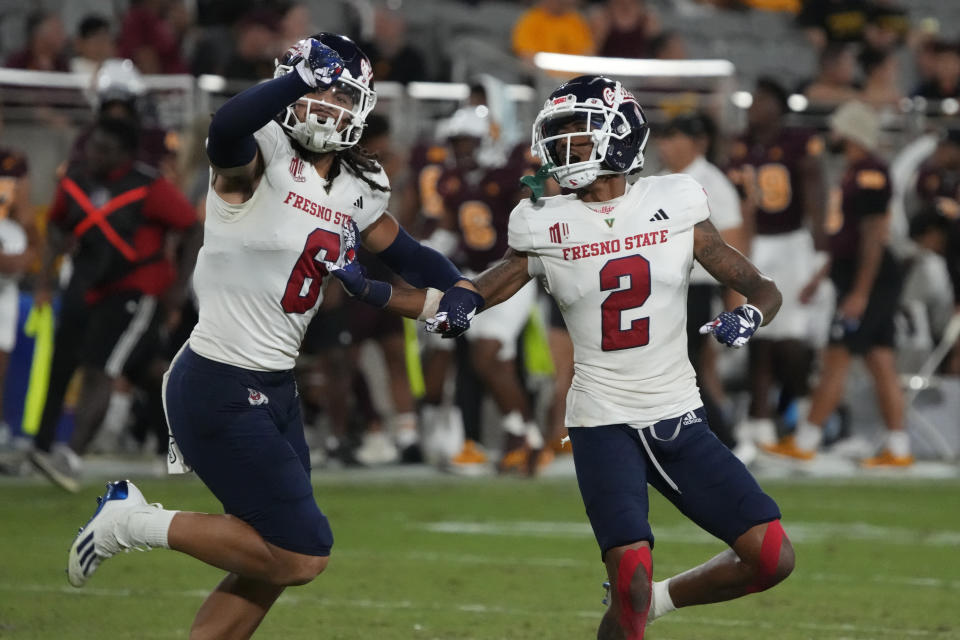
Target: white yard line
column 799, row 532
column 683, row 618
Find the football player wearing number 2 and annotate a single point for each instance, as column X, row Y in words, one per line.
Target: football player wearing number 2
column 617, row 259
column 287, row 181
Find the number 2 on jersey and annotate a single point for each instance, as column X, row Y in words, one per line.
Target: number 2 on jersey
column 321, row 244
column 637, row 270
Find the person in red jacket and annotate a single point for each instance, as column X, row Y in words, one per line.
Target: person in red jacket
column 117, row 215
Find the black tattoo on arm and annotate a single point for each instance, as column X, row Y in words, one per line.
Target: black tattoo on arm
column 734, row 270
column 503, row 279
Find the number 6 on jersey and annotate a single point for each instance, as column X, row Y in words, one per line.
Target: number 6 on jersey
column 309, row 271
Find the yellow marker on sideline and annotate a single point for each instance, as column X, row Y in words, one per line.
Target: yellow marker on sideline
column 412, row 351
column 536, row 346
column 39, row 326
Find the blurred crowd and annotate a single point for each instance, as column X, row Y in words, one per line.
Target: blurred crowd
column 376, row 391
column 859, row 42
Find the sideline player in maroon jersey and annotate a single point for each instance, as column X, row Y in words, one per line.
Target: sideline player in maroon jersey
column 867, row 279
column 779, row 174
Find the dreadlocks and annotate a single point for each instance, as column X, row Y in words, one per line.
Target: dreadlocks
column 358, row 160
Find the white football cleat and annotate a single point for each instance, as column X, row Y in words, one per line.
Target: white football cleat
column 104, row 535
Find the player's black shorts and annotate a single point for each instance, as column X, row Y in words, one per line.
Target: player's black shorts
column 683, row 460
column 122, row 333
column 876, row 328
column 242, row 433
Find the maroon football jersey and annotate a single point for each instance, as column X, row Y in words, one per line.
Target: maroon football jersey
column 779, row 185
column 865, row 192
column 480, row 202
column 13, row 166
column 427, row 162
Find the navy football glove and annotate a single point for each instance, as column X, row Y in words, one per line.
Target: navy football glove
column 457, row 307
column 352, row 275
column 318, row 65
column 734, row 328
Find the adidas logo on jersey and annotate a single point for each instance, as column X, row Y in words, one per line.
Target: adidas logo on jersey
column 691, row 418
column 659, row 215
column 359, row 203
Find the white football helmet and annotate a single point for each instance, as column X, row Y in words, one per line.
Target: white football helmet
column 597, row 107
column 343, row 124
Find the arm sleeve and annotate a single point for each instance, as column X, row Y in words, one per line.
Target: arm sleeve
column 166, row 205
column 230, row 141
column 420, row 266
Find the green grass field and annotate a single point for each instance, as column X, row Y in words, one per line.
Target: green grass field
column 501, row 559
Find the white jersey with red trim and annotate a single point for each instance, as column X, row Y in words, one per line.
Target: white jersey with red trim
column 619, row 273
column 259, row 279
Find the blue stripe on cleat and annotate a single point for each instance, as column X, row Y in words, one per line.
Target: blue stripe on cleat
column 87, row 540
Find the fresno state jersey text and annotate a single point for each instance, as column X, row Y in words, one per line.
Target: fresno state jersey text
column 620, row 281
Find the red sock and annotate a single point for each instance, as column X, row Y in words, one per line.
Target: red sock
column 769, row 557
column 633, row 622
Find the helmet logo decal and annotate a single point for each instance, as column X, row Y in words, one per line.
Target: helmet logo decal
column 609, row 95
column 366, row 71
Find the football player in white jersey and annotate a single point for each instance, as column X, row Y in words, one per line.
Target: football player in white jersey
column 617, row 259
column 286, row 182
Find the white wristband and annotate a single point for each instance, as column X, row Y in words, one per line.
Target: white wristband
column 430, row 304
